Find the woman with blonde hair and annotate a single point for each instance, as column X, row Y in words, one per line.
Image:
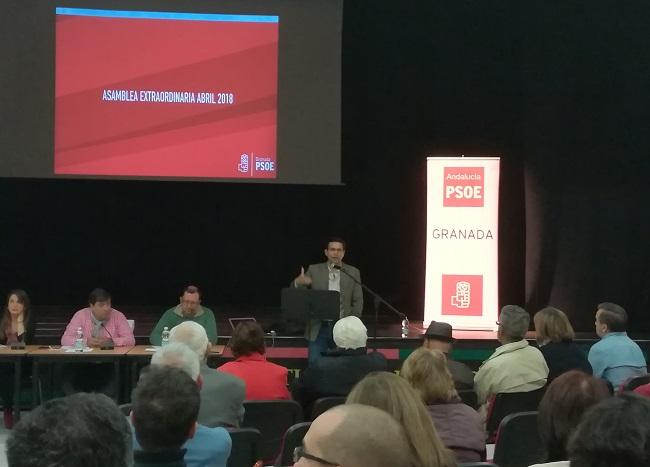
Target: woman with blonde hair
column 389, row 392
column 459, row 426
column 555, row 340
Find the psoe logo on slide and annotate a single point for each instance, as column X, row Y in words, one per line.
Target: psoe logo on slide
column 243, row 163
column 463, row 187
column 264, row 164
column 462, row 295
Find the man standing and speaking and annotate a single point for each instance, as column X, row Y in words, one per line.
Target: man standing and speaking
column 331, row 275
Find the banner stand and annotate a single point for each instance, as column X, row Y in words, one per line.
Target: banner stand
column 462, row 282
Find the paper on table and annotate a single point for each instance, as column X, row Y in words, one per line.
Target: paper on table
column 151, row 349
column 68, row 349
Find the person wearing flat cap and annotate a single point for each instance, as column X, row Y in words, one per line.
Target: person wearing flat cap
column 438, row 336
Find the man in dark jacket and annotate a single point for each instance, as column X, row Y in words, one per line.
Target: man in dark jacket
column 340, row 369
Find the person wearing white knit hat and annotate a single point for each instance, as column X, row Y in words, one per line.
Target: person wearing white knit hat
column 338, row 370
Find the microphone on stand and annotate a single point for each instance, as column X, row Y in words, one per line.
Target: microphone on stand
column 110, row 345
column 378, row 299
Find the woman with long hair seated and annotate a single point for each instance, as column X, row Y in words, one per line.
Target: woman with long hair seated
column 393, row 394
column 555, row 340
column 459, row 426
column 16, row 327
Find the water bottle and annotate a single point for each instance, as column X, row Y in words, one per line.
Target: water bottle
column 79, row 340
column 165, row 336
column 405, row 327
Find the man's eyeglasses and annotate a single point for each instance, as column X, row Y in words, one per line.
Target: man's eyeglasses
column 299, row 452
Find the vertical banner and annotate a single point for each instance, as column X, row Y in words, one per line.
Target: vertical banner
column 462, row 242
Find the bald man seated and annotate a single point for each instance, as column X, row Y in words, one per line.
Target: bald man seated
column 354, row 435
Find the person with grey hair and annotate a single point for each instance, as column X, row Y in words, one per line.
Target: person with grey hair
column 222, row 394
column 616, row 357
column 179, row 356
column 79, row 430
column 209, row 446
column 338, row 370
column 355, row 435
column 515, row 366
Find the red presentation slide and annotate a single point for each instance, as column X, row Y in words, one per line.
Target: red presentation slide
column 161, row 94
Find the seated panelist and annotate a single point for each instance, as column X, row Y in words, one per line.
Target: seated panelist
column 101, row 324
column 189, row 309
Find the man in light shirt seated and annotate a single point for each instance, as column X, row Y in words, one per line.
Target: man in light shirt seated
column 515, row 366
column 101, row 324
column 616, row 357
column 103, row 327
column 164, row 411
column 209, row 447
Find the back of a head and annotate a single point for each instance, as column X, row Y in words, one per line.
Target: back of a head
column 79, row 430
column 363, row 436
column 427, row 372
column 513, row 322
column 247, row 338
column 566, row 400
column 614, row 433
column 552, row 325
column 178, row 356
column 165, row 408
column 350, row 333
column 614, row 316
column 191, row 334
column 393, row 394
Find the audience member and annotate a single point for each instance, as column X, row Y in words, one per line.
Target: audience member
column 515, row 366
column 555, row 340
column 16, row 328
column 180, row 356
column 354, row 435
column 566, row 399
column 335, row 373
column 438, row 336
column 209, row 447
column 614, row 433
column 86, row 430
column 459, row 426
column 264, row 380
column 616, row 357
column 222, row 395
column 393, row 394
column 189, row 309
column 102, row 326
column 165, row 407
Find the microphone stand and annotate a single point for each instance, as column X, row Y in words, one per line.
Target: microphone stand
column 378, row 300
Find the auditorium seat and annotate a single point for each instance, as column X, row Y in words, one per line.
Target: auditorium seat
column 245, row 451
column 634, row 383
column 506, row 403
column 469, row 397
column 324, row 404
column 292, row 439
column 272, row 418
column 477, row 464
column 518, row 443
